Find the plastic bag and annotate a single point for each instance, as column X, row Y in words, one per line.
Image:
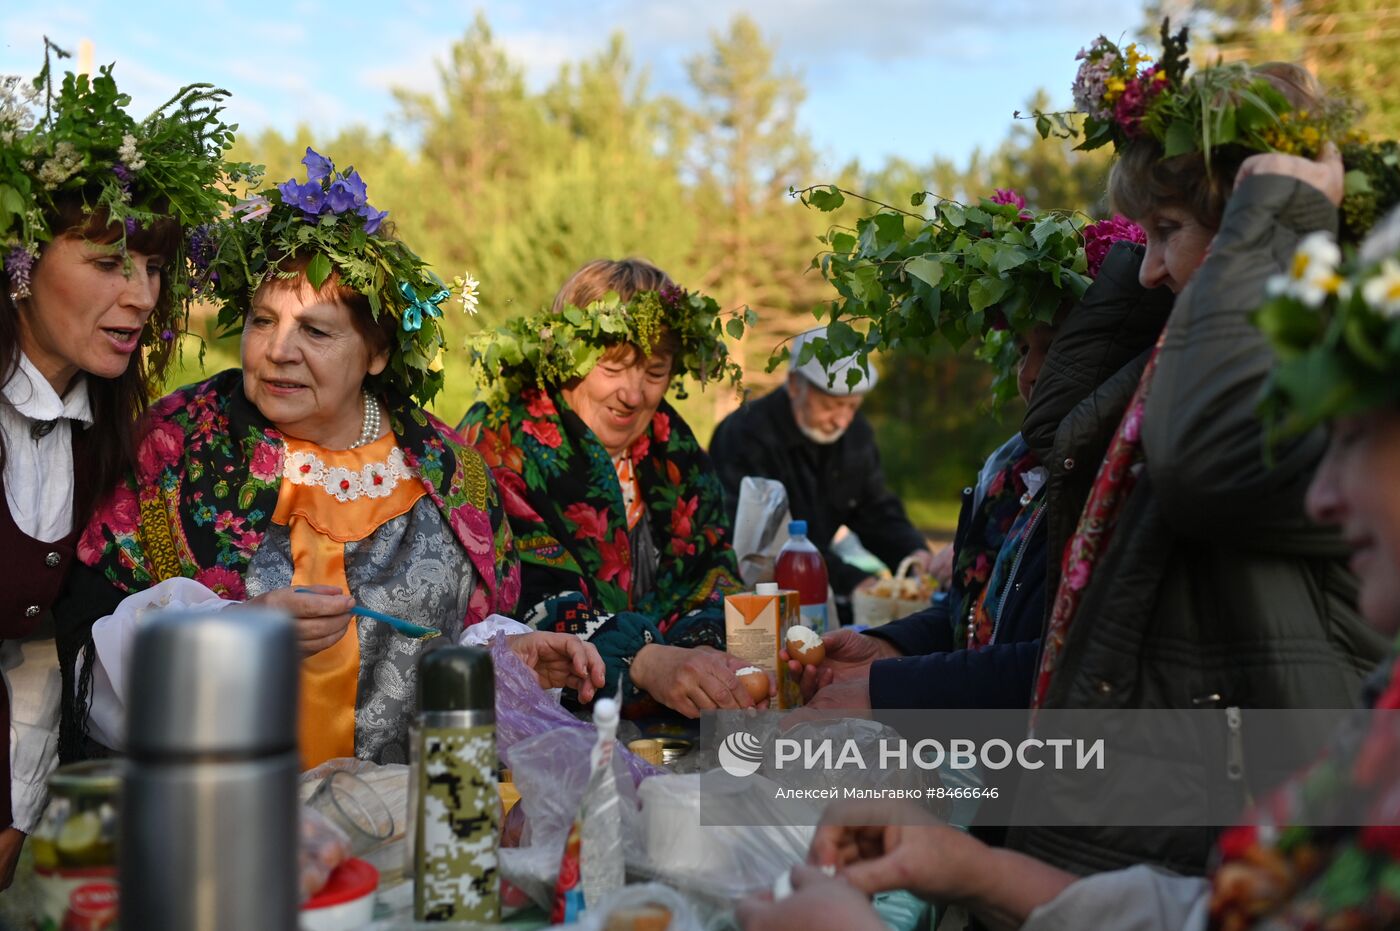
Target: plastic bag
column 323, row 847
column 525, row 710
column 547, row 750
column 760, row 527
column 720, row 864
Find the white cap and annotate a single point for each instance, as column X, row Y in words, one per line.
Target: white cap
column 605, row 712
column 766, row 588
column 833, row 381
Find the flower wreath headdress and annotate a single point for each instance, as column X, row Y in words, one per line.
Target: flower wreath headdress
column 548, row 349
column 959, row 273
column 77, row 140
column 329, row 218
column 1335, row 328
column 1124, row 96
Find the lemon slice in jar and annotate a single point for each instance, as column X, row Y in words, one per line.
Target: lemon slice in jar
column 80, row 838
column 45, row 854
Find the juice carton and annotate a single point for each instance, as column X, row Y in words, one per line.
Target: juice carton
column 755, row 629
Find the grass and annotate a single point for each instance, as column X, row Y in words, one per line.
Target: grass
column 937, row 517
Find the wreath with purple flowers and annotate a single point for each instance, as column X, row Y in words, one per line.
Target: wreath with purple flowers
column 329, row 218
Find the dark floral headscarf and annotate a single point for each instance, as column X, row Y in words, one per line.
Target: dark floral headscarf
column 566, row 510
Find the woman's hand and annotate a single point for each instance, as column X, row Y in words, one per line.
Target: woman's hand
column 1326, row 173
column 320, row 613
column 561, row 661
column 848, row 655
column 11, row 843
column 818, row 903
column 878, row 846
column 692, row 679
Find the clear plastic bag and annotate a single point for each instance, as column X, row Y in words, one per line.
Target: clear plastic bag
column 718, row 864
column 323, row 847
column 547, row 750
column 525, row 710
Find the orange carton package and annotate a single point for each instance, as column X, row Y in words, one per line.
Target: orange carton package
column 755, row 628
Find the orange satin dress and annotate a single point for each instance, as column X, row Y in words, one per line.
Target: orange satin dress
column 330, row 498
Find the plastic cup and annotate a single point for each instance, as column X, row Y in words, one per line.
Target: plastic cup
column 352, row 805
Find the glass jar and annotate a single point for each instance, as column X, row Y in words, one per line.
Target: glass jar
column 75, row 848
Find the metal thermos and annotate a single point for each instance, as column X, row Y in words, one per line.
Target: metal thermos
column 209, row 829
column 458, row 807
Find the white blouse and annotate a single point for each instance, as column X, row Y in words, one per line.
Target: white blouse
column 39, row 472
column 39, row 493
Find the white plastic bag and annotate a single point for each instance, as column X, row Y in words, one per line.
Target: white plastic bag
column 760, row 527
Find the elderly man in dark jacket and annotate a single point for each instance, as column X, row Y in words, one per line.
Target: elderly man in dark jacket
column 810, row 436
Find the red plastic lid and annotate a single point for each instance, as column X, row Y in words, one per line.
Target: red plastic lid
column 353, row 879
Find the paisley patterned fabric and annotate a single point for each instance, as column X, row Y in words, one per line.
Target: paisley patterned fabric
column 411, row 568
column 1004, row 517
column 200, row 505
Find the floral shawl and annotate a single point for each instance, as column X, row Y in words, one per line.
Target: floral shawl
column 1114, row 483
column 1004, row 518
column 1322, row 878
column 566, row 510
column 208, row 473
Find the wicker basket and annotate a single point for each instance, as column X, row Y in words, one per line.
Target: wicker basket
column 908, row 591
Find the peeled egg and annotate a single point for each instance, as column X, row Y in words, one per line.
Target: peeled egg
column 805, row 645
column 755, row 680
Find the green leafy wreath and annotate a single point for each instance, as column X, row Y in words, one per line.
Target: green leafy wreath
column 78, row 140
column 1335, row 327
column 958, row 273
column 548, row 349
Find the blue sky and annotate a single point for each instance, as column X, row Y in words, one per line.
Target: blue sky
column 912, row 78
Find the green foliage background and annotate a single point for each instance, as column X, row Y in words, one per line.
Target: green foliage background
column 520, row 186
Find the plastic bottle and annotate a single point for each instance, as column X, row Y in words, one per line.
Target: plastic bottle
column 592, row 866
column 801, row 568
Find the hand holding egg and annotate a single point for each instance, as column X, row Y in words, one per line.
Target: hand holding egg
column 805, row 646
column 756, row 681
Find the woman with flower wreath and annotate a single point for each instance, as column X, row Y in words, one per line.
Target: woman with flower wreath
column 617, row 513
column 1187, row 574
column 1323, row 852
column 94, row 205
column 312, row 480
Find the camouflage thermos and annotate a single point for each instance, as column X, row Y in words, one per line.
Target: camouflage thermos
column 458, row 806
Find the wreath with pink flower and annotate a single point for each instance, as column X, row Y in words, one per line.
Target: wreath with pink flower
column 1123, row 95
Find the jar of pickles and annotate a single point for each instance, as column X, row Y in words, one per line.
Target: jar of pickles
column 75, row 849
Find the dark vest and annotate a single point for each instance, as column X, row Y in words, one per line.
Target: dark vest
column 34, row 573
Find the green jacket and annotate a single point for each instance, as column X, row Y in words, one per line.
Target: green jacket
column 1216, row 590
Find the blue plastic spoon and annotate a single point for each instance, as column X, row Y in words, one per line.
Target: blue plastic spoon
column 407, row 628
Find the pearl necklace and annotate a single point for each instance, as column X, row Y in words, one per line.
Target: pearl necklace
column 370, row 431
